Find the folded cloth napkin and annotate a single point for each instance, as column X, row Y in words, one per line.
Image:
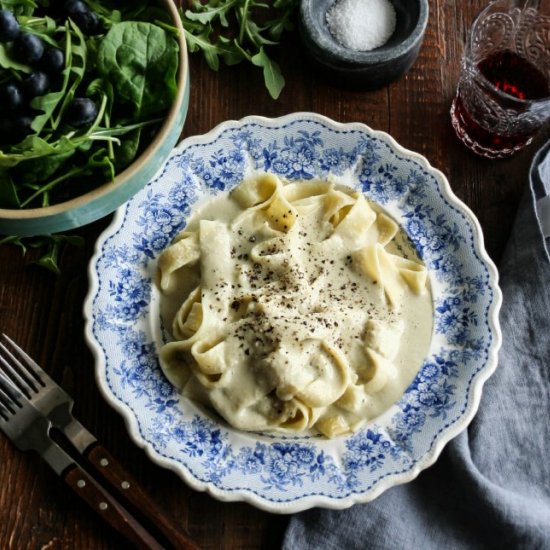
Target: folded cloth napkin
column 490, row 488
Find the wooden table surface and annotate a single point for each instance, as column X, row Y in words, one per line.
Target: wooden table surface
column 43, row 312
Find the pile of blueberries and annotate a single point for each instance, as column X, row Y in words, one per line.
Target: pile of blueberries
column 47, row 62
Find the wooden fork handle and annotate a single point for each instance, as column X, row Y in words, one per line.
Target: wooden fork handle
column 109, row 508
column 131, row 492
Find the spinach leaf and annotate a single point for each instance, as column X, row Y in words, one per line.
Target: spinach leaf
column 127, row 150
column 39, row 169
column 33, row 147
column 141, row 61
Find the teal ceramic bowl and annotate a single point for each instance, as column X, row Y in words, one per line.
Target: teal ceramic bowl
column 108, row 197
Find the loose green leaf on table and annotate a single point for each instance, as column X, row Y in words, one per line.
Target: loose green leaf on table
column 48, row 248
column 240, row 30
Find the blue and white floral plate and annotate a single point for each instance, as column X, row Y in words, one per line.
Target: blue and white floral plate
column 278, row 473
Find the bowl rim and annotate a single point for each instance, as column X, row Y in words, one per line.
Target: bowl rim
column 22, row 214
column 308, row 501
column 373, row 57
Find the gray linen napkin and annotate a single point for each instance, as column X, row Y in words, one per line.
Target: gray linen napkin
column 490, row 488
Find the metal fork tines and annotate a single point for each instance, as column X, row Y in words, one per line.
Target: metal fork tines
column 27, row 427
column 31, row 403
column 33, row 383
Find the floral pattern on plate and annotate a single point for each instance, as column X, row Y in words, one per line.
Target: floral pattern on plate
column 292, row 473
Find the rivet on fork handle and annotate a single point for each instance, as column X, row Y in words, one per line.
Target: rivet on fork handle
column 111, row 511
column 129, row 490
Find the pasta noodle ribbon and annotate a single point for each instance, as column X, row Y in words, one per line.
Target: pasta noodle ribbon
column 392, row 273
column 383, row 337
column 332, row 425
column 189, row 317
column 299, row 419
column 383, row 370
column 332, row 380
column 175, row 365
column 266, row 201
column 185, row 250
column 256, row 191
column 354, row 227
column 210, row 358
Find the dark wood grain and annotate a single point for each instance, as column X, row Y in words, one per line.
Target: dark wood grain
column 43, row 312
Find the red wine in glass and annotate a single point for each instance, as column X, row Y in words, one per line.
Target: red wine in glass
column 516, row 79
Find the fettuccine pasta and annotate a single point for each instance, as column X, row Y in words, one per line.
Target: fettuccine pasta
column 299, row 306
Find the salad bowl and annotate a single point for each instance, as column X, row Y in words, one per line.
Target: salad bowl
column 283, row 473
column 95, row 203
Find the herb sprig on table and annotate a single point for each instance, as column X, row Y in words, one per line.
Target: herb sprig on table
column 239, row 30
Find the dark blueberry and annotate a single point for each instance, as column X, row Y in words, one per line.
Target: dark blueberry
column 75, row 6
column 86, row 20
column 36, row 84
column 11, row 97
column 82, row 111
column 28, row 48
column 53, row 60
column 9, row 27
column 21, row 128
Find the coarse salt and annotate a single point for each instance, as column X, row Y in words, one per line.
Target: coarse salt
column 361, row 25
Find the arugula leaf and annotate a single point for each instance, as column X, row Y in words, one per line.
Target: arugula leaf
column 19, row 7
column 208, row 13
column 273, row 78
column 6, row 62
column 78, row 53
column 105, row 14
column 53, row 244
column 237, row 30
column 196, row 42
column 73, row 73
column 43, row 27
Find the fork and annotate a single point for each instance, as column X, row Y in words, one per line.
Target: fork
column 31, row 403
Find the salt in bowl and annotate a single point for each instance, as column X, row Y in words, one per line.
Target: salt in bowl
column 364, row 69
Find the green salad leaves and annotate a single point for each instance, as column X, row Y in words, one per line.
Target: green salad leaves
column 98, row 112
column 129, row 71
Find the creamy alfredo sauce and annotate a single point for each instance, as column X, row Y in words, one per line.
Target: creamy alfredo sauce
column 295, row 306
